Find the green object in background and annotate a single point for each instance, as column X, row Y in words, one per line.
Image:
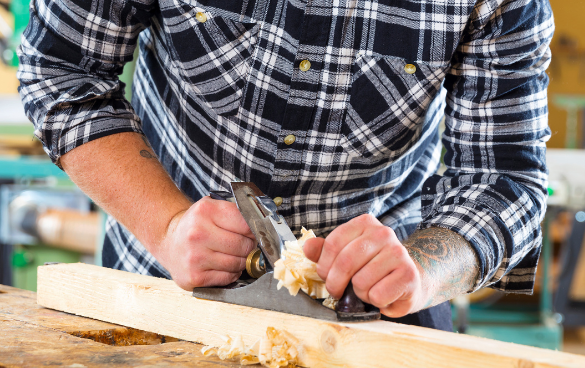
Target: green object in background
column 30, row 167
column 20, row 11
column 551, row 191
column 22, row 259
column 26, row 259
column 540, row 336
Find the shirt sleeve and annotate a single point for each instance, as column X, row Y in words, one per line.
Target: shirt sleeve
column 71, row 55
column 494, row 190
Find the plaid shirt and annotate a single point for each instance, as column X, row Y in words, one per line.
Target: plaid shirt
column 219, row 87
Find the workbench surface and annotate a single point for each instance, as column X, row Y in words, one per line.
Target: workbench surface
column 33, row 336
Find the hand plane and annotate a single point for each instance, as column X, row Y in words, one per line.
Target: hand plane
column 257, row 286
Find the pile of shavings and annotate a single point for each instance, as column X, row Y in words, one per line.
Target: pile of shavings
column 278, row 349
column 296, row 272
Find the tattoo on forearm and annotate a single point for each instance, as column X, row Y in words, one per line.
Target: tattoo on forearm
column 145, row 141
column 145, row 153
column 448, row 262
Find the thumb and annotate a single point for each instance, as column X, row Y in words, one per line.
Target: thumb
column 313, row 247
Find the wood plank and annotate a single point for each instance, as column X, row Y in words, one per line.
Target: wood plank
column 26, row 345
column 158, row 305
column 21, row 305
column 32, row 336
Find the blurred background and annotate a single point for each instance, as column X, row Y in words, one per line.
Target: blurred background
column 44, row 217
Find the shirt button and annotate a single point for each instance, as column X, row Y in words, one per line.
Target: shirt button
column 410, row 68
column 305, row 65
column 200, row 16
column 277, row 201
column 289, row 139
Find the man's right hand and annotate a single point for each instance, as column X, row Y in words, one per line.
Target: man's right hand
column 201, row 244
column 206, row 245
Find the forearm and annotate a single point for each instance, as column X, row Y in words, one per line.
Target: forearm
column 121, row 173
column 447, row 263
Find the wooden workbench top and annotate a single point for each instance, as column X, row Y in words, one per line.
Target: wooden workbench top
column 33, row 336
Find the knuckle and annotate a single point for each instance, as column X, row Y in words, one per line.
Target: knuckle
column 196, row 235
column 365, row 219
column 205, row 205
column 410, row 274
column 396, row 251
column 385, row 232
column 194, row 258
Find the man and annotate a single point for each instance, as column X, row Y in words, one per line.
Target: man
column 332, row 108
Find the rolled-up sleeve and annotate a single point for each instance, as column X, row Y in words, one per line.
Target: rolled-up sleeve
column 71, row 55
column 493, row 192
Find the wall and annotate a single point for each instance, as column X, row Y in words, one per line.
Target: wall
column 567, row 70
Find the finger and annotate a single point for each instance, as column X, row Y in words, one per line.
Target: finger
column 313, row 248
column 224, row 262
column 228, row 243
column 385, row 262
column 399, row 308
column 398, row 285
column 338, row 239
column 224, row 215
column 217, row 278
column 205, row 278
column 351, row 259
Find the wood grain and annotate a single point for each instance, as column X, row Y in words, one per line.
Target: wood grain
column 158, row 305
column 33, row 336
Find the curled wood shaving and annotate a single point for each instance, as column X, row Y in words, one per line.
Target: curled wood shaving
column 330, row 302
column 278, row 349
column 296, row 272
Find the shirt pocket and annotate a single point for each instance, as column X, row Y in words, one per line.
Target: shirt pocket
column 387, row 104
column 214, row 56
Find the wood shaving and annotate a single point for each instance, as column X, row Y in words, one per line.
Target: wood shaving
column 296, row 272
column 278, row 349
column 330, row 302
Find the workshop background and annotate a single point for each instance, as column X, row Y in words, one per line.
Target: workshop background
column 45, row 218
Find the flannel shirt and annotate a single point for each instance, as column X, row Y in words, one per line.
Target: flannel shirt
column 219, row 86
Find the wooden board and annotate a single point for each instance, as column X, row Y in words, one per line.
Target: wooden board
column 158, row 305
column 32, row 336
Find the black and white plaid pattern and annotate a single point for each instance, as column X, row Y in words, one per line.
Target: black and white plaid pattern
column 217, row 98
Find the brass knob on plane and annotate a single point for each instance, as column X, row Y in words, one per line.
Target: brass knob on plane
column 255, row 264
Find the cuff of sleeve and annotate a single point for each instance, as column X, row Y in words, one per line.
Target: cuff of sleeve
column 74, row 125
column 506, row 261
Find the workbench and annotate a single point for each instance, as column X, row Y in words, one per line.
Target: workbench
column 33, row 336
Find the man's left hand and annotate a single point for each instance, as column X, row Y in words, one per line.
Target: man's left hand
column 369, row 254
